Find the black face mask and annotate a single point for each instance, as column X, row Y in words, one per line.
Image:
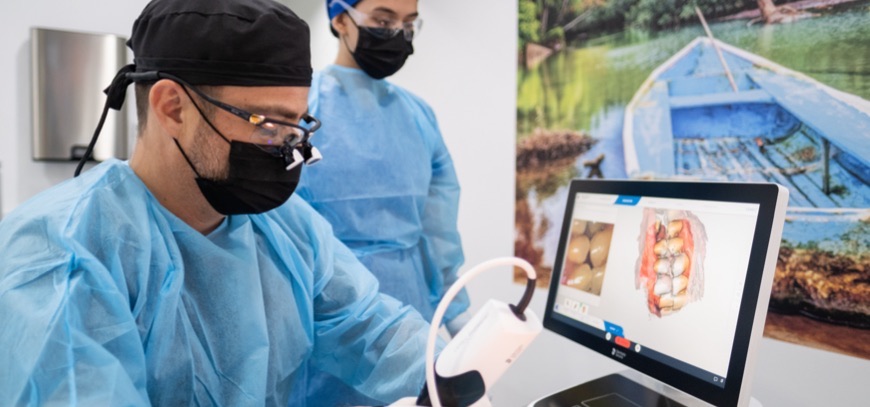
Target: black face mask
column 381, row 57
column 258, row 181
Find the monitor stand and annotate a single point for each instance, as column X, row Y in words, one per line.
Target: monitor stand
column 625, row 389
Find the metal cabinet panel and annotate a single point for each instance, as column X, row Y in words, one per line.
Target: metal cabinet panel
column 69, row 72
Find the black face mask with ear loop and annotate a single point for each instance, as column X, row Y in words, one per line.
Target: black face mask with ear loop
column 258, row 181
column 381, row 57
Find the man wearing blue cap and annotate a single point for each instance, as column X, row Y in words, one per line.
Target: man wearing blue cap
column 388, row 185
column 189, row 275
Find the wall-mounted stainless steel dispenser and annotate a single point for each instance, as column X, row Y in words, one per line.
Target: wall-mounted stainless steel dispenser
column 69, row 72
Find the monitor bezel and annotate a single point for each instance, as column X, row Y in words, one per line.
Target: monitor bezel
column 767, row 196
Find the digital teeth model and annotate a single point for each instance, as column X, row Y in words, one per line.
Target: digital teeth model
column 670, row 269
column 586, row 259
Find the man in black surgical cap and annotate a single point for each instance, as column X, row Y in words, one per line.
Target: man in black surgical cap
column 189, row 275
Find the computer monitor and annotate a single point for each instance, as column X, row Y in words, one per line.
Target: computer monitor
column 671, row 279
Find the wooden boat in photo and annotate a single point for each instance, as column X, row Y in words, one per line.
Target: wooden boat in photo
column 754, row 121
column 716, row 112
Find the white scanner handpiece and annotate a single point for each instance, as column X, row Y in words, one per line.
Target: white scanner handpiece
column 489, row 343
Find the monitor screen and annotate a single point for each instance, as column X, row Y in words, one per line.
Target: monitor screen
column 665, row 277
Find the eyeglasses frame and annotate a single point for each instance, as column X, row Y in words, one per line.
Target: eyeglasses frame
column 253, row 118
column 359, row 17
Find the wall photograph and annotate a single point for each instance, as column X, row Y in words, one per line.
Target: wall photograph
column 769, row 92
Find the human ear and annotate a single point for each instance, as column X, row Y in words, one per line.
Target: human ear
column 339, row 23
column 165, row 106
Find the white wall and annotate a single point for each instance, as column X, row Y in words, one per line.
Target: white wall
column 21, row 176
column 465, row 67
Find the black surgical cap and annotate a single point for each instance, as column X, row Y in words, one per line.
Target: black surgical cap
column 213, row 43
column 223, row 42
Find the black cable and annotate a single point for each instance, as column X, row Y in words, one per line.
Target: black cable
column 93, row 142
column 520, row 309
column 115, row 95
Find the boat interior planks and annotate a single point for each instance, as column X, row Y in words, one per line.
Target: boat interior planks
column 841, row 124
column 779, row 126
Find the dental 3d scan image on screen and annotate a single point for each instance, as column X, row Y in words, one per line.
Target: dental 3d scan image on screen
column 671, row 279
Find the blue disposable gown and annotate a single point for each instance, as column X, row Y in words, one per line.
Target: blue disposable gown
column 388, row 187
column 107, row 298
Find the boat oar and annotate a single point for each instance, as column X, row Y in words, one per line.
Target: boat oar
column 716, row 47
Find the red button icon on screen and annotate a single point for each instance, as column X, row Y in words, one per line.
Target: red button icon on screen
column 625, row 343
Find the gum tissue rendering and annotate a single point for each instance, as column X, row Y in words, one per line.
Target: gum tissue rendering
column 671, row 267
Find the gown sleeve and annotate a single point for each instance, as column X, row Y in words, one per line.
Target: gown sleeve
column 441, row 239
column 68, row 334
column 369, row 340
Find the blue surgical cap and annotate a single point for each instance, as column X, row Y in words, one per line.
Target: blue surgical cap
column 334, row 8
